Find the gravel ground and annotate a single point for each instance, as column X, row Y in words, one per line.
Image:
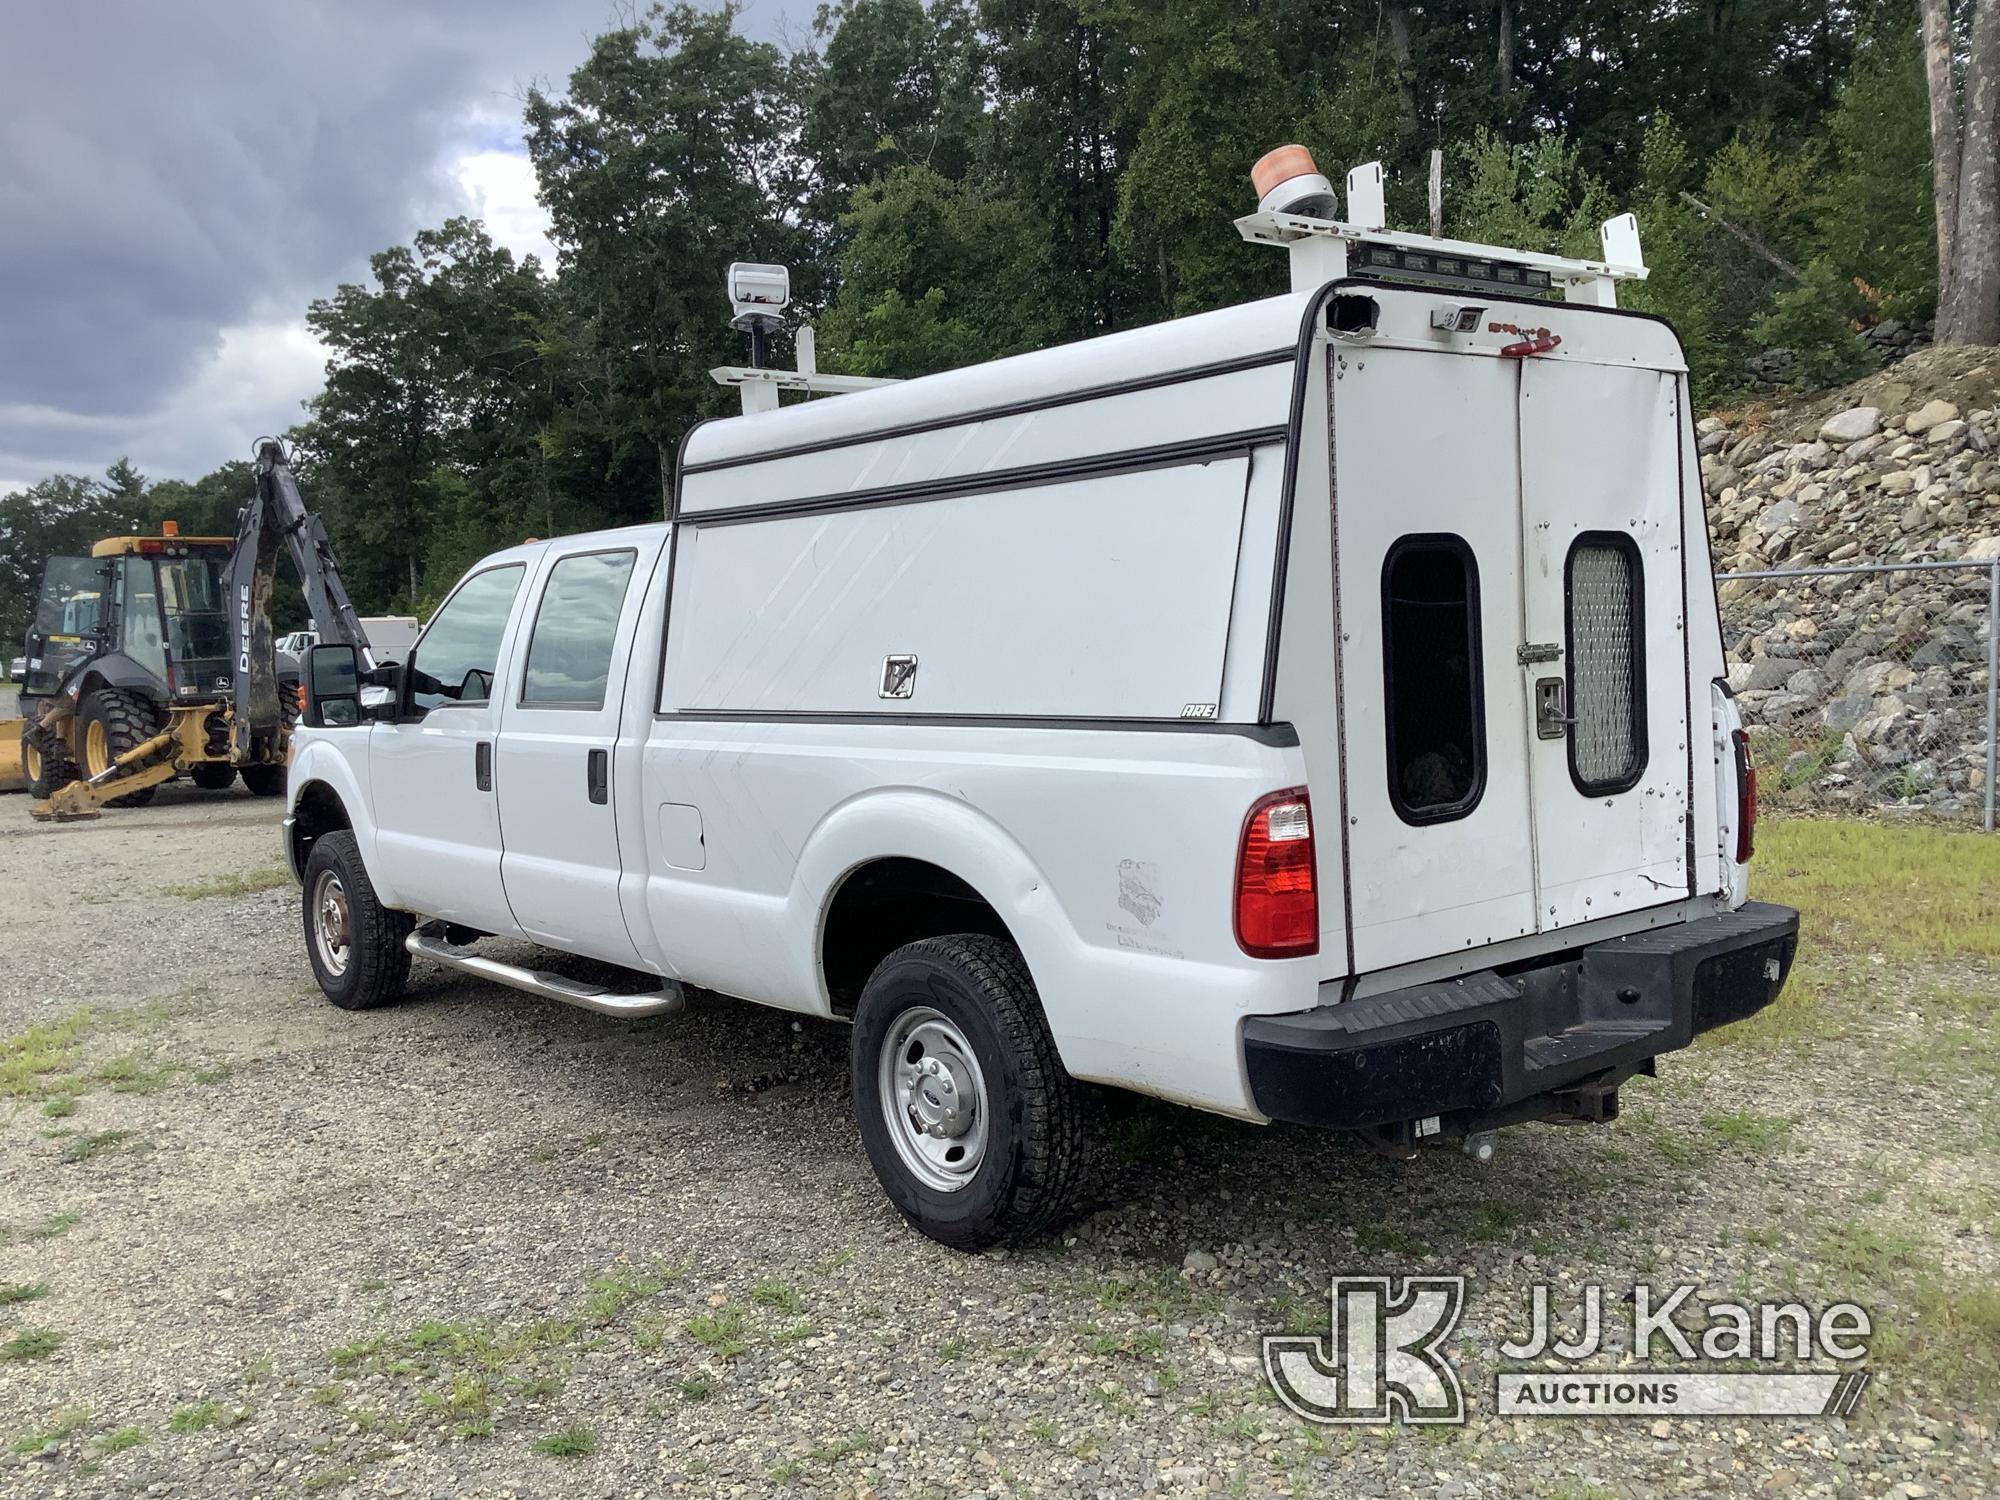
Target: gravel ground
column 479, row 1244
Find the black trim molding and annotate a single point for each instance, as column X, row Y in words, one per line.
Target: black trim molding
column 1007, row 409
column 1059, row 471
column 1283, row 736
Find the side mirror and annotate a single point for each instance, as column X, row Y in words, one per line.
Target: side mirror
column 333, row 686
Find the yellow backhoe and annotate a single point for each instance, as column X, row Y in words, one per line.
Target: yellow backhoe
column 153, row 658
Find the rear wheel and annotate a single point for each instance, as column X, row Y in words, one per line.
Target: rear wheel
column 265, row 781
column 112, row 722
column 354, row 942
column 213, row 776
column 966, row 1112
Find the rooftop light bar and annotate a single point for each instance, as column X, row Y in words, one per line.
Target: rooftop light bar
column 1326, row 249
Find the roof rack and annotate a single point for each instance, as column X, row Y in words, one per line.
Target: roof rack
column 1326, row 249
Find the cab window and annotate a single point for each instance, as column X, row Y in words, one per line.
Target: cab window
column 459, row 653
column 569, row 654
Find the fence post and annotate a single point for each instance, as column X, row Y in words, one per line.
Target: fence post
column 1992, row 678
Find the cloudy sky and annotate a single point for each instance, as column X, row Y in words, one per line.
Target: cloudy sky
column 179, row 178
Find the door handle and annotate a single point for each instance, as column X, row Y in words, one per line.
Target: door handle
column 1552, row 716
column 482, row 765
column 598, row 775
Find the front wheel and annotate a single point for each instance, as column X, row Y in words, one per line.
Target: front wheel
column 114, row 721
column 965, row 1110
column 354, row 942
column 264, row 781
column 213, row 775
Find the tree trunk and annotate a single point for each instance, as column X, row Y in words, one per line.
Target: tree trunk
column 1943, row 89
column 1973, row 314
column 1397, row 20
column 1503, row 56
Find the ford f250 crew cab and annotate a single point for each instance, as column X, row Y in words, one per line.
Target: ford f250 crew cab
column 1307, row 711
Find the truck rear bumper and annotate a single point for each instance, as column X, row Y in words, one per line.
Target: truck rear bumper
column 1531, row 1041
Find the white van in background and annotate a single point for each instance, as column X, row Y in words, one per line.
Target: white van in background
column 1309, row 711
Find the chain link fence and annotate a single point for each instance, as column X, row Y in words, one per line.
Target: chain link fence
column 1868, row 688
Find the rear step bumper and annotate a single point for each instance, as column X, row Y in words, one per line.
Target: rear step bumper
column 1538, row 1041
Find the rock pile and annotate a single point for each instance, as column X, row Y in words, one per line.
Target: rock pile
column 1864, row 689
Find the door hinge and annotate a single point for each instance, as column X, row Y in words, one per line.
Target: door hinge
column 1531, row 653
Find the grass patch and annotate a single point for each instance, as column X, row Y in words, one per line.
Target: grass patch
column 28, row 1058
column 132, row 1073
column 773, row 1293
column 95, row 1143
column 1749, row 1130
column 66, row 1421
column 232, row 885
column 1909, row 891
column 118, row 1440
column 719, row 1331
column 617, row 1289
column 698, row 1387
column 53, row 1227
column 571, row 1442
column 200, row 1416
column 1392, row 1238
column 31, row 1343
column 14, row 1292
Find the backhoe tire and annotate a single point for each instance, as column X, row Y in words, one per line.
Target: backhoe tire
column 111, row 722
column 46, row 764
column 213, row 776
column 353, row 941
column 264, row 781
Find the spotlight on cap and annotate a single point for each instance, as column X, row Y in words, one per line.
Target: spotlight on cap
column 1288, row 182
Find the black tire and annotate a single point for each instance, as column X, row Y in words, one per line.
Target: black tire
column 1031, row 1169
column 264, row 781
column 45, row 762
column 213, row 776
column 128, row 721
column 376, row 966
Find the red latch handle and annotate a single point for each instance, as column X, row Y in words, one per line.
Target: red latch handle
column 1541, row 343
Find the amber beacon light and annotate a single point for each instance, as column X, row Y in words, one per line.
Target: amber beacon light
column 1288, row 181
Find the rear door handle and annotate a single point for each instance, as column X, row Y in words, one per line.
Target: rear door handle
column 598, row 775
column 482, row 765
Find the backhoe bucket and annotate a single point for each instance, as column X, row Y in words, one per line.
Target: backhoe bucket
column 13, row 778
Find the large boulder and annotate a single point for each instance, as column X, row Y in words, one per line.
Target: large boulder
column 1852, row 425
column 1927, row 416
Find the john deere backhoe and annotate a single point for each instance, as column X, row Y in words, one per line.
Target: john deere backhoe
column 153, row 658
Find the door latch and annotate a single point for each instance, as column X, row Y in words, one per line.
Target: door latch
column 1552, row 718
column 597, row 775
column 482, row 765
column 1531, row 652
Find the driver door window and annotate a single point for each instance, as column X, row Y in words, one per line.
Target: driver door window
column 456, row 659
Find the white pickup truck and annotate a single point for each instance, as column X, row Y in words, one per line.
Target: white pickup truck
column 1307, row 711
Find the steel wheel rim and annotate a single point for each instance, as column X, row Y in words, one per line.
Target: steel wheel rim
column 331, row 919
column 934, row 1098
column 96, row 748
column 31, row 762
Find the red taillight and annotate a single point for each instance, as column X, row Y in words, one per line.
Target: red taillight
column 1746, row 798
column 1277, row 907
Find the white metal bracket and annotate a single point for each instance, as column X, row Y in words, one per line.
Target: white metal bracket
column 759, row 388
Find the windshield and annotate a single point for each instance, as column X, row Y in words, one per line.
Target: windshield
column 68, row 614
column 194, row 599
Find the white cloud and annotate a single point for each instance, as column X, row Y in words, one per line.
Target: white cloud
column 501, row 187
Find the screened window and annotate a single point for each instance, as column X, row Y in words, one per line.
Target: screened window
column 569, row 655
column 460, row 650
column 1434, row 691
column 1607, row 741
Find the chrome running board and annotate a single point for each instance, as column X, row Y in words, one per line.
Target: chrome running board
column 585, row 996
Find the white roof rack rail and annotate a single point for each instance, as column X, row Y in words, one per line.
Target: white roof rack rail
column 1324, row 250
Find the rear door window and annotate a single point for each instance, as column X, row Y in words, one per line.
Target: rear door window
column 1434, row 691
column 1606, row 607
column 576, row 627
